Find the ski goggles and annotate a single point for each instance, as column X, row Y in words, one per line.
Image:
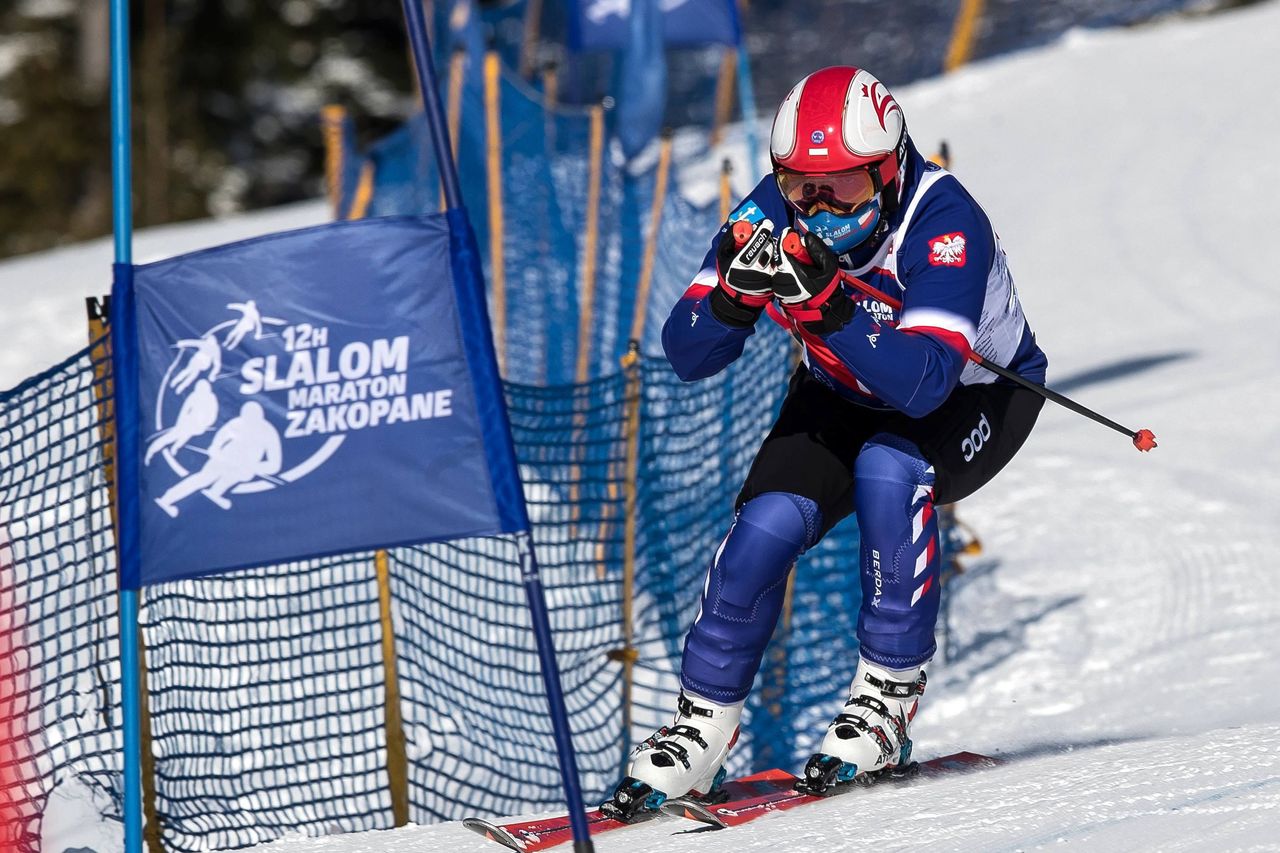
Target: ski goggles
column 840, row 193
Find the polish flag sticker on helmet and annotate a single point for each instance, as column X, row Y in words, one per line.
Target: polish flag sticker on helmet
column 947, row 250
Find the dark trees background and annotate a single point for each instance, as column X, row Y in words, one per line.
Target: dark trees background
column 226, row 96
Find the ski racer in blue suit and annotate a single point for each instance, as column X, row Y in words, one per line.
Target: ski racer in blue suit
column 886, row 417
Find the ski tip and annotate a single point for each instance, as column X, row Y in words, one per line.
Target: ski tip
column 1144, row 440
column 493, row 833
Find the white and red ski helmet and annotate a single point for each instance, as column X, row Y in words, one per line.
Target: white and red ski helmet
column 842, row 125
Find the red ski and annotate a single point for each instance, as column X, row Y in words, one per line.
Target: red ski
column 532, row 835
column 739, row 811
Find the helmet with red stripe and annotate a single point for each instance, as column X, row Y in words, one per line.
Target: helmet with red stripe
column 838, row 147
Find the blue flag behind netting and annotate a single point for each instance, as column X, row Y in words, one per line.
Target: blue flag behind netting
column 602, row 24
column 304, row 394
column 696, row 22
column 642, row 79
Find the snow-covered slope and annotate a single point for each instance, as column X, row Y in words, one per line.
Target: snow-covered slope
column 1120, row 640
column 1212, row 792
column 43, row 294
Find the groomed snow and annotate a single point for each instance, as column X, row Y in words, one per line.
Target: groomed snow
column 1117, row 642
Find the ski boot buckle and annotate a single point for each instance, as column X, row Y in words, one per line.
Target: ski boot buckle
column 631, row 798
column 824, row 772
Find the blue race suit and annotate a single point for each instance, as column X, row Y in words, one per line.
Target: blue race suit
column 891, row 369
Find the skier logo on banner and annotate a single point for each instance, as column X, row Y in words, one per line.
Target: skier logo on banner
column 271, row 365
column 245, row 453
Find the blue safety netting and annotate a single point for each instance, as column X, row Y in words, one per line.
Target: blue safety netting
column 266, row 688
column 545, row 175
column 60, row 705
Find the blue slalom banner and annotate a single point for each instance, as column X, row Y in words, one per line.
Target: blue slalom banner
column 602, row 24
column 304, row 394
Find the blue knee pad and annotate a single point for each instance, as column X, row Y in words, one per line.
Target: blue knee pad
column 893, row 498
column 743, row 594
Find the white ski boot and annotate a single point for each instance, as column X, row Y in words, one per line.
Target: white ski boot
column 871, row 734
column 684, row 758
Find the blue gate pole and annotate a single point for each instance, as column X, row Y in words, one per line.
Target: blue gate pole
column 426, row 67
column 122, row 216
column 473, row 317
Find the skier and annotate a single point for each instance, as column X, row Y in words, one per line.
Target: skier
column 244, row 449
column 199, row 412
column 206, row 358
column 251, row 320
column 885, row 418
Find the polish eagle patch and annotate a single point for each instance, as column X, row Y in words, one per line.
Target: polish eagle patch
column 947, row 250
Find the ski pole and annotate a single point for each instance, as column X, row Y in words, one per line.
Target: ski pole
column 1143, row 439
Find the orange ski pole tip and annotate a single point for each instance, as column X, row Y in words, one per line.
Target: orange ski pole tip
column 794, row 246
